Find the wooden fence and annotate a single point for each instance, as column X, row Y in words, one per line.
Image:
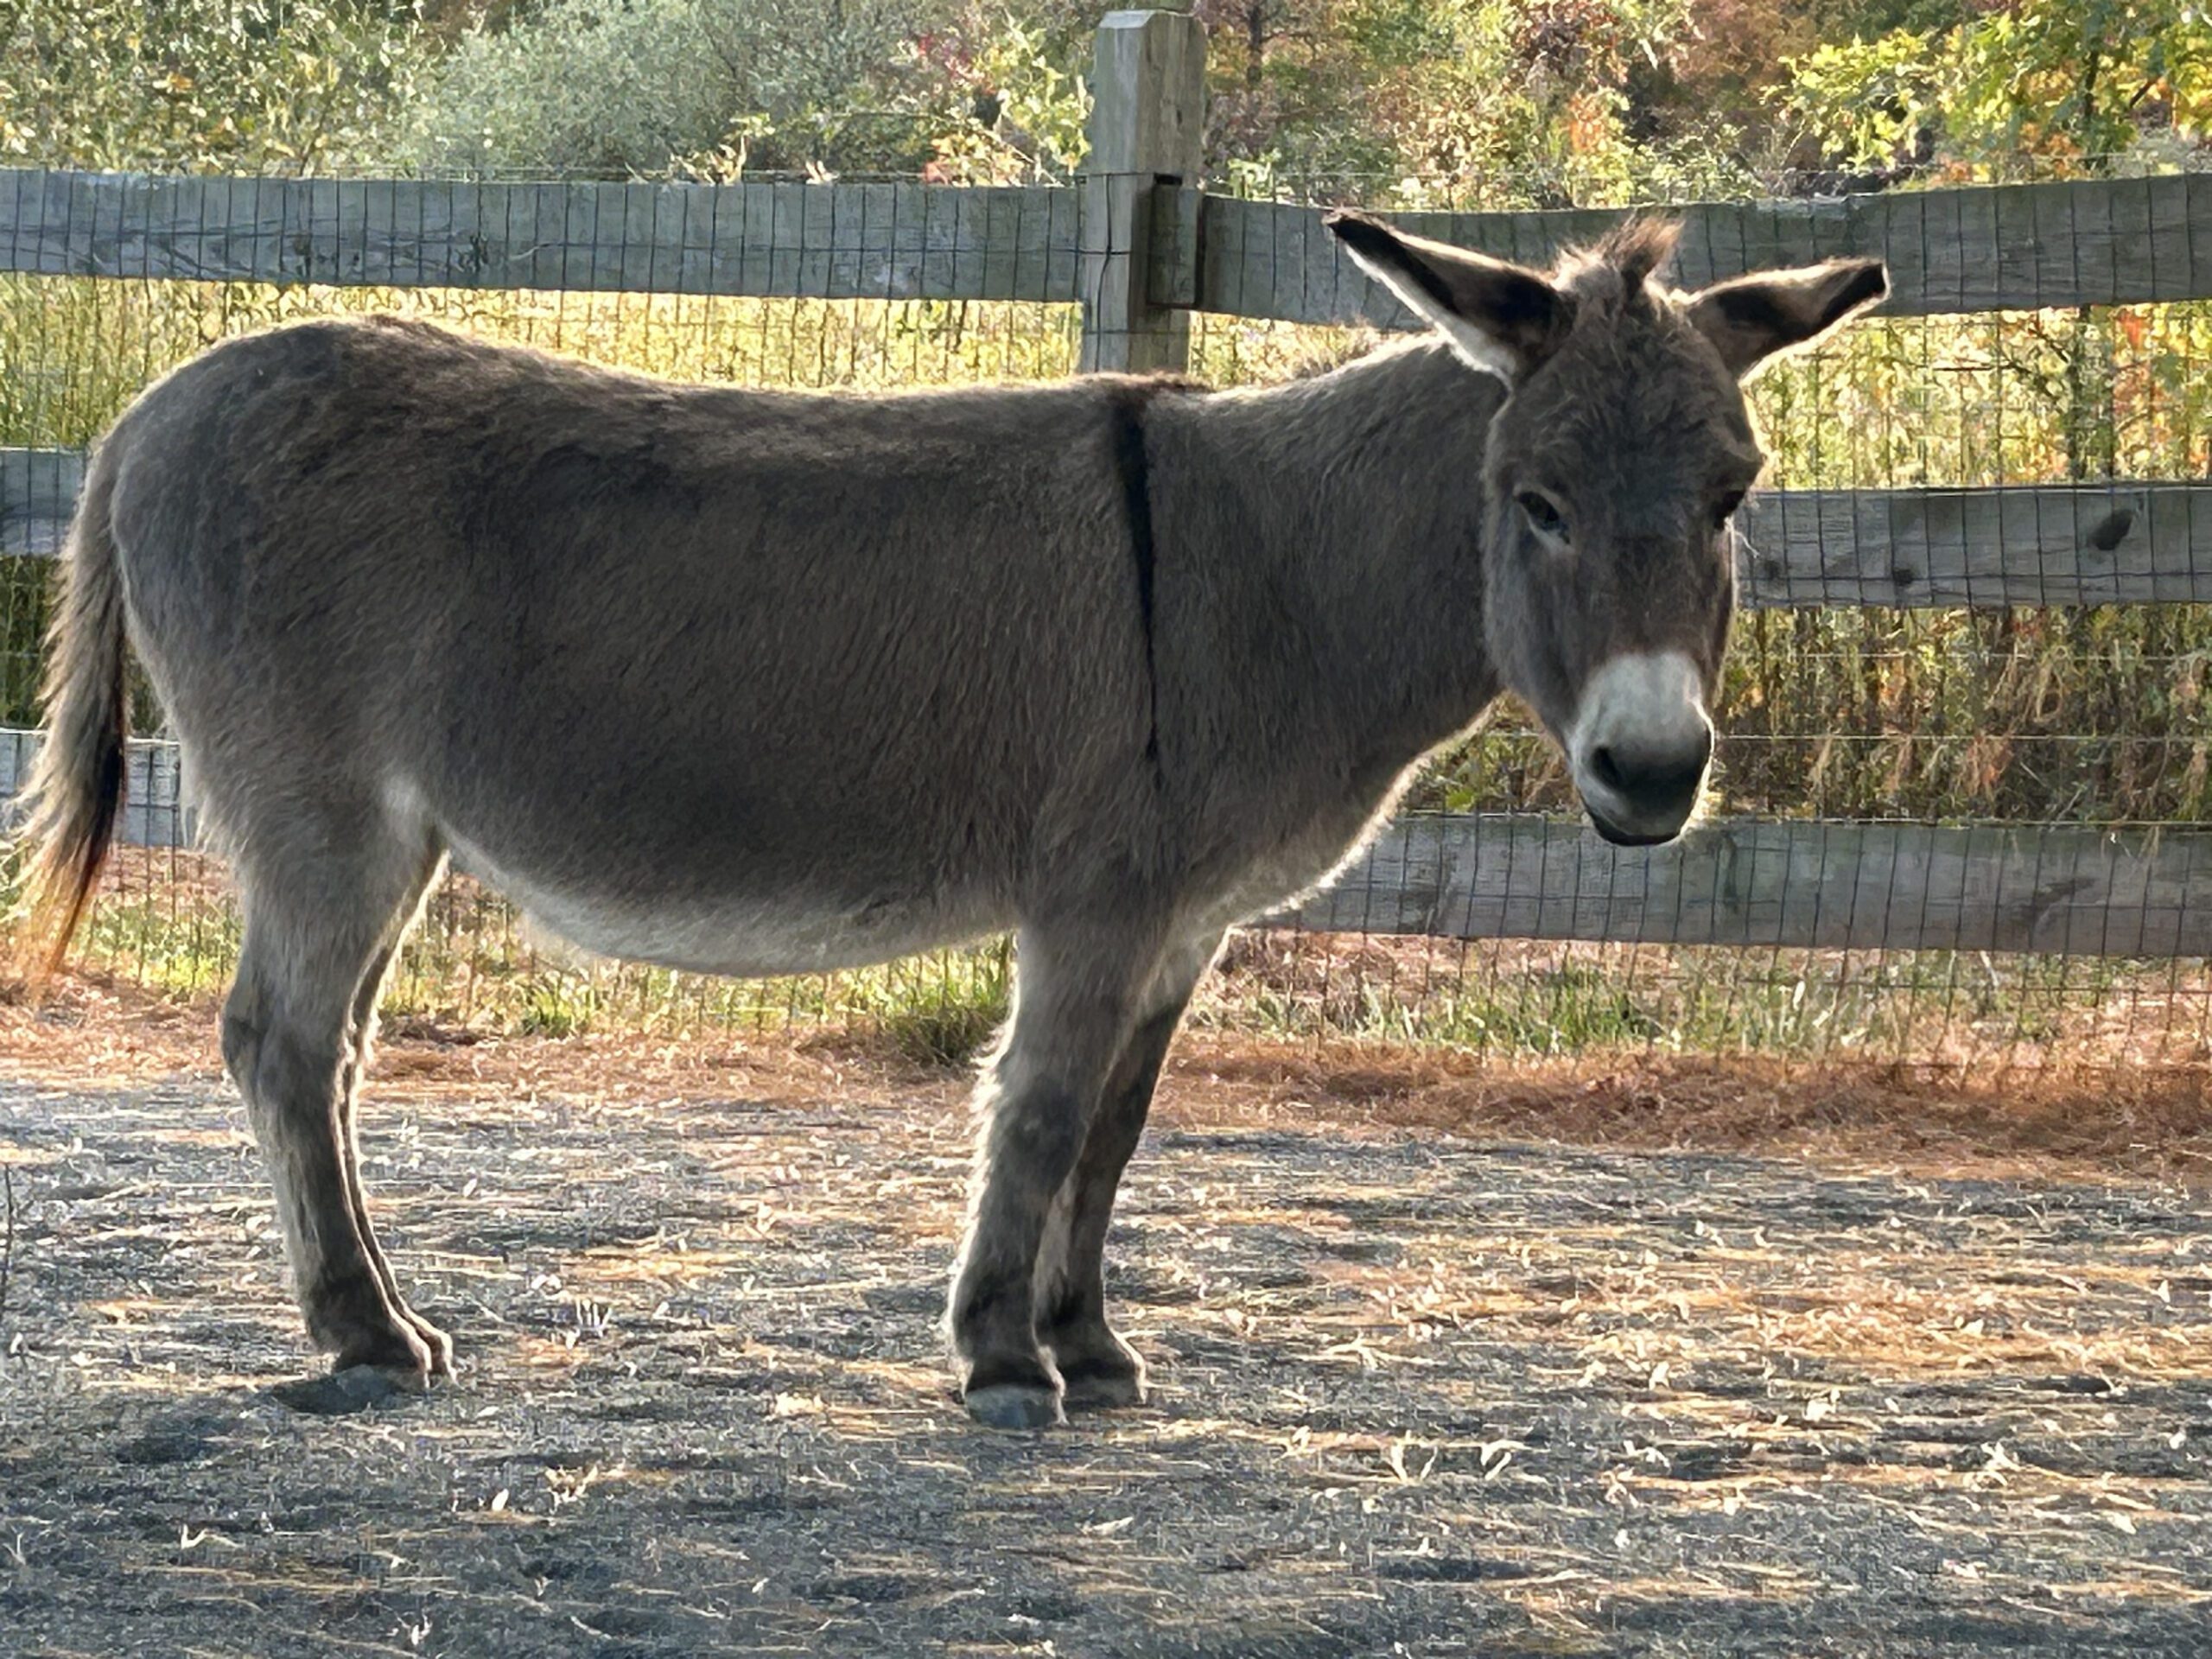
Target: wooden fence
column 1139, row 246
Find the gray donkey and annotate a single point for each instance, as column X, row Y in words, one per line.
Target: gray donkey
column 752, row 682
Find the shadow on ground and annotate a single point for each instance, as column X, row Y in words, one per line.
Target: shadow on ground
column 1465, row 1399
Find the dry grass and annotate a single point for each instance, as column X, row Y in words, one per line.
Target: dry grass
column 91, row 1032
column 1470, row 1396
column 1909, row 1119
column 164, row 921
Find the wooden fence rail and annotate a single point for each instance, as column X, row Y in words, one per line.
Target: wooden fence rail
column 776, row 240
column 1989, row 248
column 1815, row 884
column 154, row 809
column 2080, row 892
column 2110, row 544
column 38, row 492
column 1992, row 248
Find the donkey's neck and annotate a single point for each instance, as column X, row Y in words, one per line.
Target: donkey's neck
column 1361, row 492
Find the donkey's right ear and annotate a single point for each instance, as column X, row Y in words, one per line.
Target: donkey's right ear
column 1501, row 318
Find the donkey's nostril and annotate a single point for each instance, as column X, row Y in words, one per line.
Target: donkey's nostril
column 1658, row 779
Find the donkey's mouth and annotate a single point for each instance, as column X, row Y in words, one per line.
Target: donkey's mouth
column 1620, row 837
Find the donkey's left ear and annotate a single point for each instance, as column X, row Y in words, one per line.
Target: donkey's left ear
column 1749, row 319
column 1501, row 318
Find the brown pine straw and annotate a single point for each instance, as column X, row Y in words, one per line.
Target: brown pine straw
column 90, row 1033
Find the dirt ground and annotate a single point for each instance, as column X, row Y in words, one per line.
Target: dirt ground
column 1765, row 1365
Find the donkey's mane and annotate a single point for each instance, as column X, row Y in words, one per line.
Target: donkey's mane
column 1614, row 269
column 1638, row 246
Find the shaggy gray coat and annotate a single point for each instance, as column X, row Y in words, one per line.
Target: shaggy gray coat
column 754, row 682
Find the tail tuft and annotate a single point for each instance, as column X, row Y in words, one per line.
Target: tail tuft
column 75, row 793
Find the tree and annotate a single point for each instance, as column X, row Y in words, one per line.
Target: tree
column 586, row 86
column 2054, row 87
column 200, row 83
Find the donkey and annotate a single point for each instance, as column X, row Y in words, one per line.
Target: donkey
column 761, row 683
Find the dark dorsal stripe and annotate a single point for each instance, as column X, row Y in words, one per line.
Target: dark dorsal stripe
column 1130, row 460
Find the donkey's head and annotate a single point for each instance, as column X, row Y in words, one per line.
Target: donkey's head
column 1611, row 473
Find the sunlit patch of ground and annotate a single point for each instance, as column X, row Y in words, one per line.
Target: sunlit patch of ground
column 2025, row 1123
column 1803, row 1374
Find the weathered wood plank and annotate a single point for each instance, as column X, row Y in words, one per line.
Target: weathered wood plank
column 154, row 813
column 2118, row 543
column 38, row 492
column 774, row 239
column 1147, row 119
column 1829, row 885
column 2064, row 891
column 1993, row 248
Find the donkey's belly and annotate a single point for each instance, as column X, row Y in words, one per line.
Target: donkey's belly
column 745, row 934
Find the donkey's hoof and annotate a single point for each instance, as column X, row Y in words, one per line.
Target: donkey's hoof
column 1100, row 1371
column 1103, row 1386
column 1015, row 1405
column 439, row 1343
column 396, row 1350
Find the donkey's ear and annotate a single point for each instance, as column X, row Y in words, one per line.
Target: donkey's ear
column 1749, row 319
column 1501, row 318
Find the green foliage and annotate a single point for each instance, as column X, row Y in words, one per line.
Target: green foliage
column 558, row 1002
column 200, row 85
column 1005, row 110
column 637, row 85
column 1864, row 103
column 951, row 1022
column 2034, row 83
column 1494, row 103
column 1504, row 103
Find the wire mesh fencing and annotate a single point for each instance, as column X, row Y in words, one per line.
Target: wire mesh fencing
column 1963, row 766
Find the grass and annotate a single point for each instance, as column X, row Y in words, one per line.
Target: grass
column 555, row 1005
column 952, row 1026
column 165, row 922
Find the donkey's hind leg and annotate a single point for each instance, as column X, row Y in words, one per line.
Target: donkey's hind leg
column 359, row 1048
column 315, row 929
column 1097, row 1366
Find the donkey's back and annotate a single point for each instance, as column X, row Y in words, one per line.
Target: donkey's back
column 747, row 681
column 720, row 678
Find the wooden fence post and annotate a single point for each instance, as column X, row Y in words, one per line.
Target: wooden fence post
column 1147, row 116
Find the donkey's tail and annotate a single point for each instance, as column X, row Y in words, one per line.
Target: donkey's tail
column 75, row 791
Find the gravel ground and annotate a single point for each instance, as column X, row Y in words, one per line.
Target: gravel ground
column 1415, row 1395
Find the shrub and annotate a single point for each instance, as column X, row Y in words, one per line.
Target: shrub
column 199, row 85
column 633, row 87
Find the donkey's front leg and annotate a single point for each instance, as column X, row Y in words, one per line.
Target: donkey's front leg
column 1097, row 1366
column 1076, row 989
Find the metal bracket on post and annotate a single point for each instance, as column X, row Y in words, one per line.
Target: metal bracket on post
column 1147, row 116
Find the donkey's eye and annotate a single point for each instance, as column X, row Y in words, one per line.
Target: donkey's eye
column 1725, row 509
column 1541, row 513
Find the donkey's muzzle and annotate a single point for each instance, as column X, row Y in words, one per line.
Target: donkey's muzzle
column 1641, row 753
